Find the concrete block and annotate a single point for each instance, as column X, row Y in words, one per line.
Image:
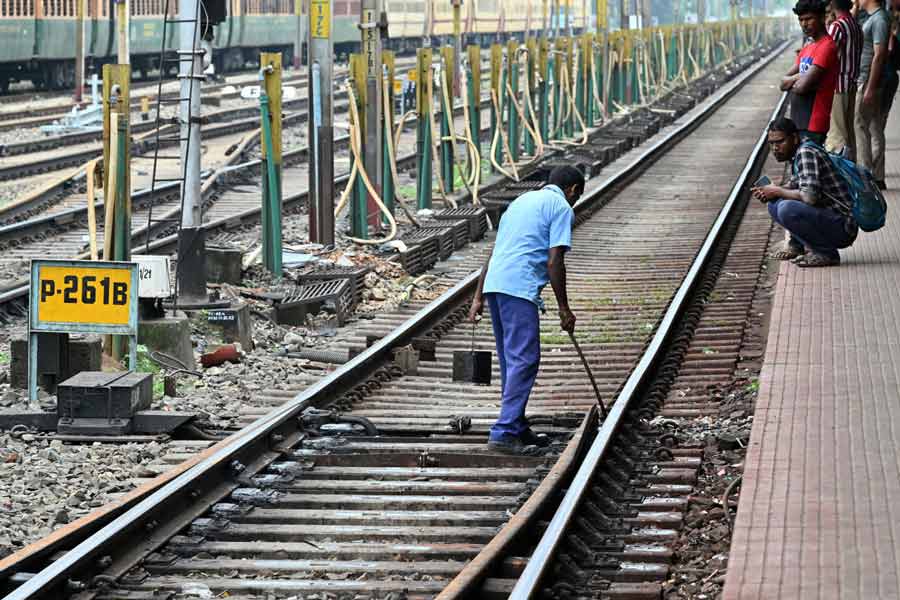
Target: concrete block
column 85, row 354
column 53, row 361
column 18, row 363
column 58, row 359
column 234, row 324
column 223, row 265
column 170, row 335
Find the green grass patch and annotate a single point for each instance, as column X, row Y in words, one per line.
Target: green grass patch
column 4, row 358
column 145, row 364
column 753, row 386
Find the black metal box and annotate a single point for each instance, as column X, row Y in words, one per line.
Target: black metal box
column 94, row 394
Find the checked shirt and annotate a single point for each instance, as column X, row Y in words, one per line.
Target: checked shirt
column 814, row 174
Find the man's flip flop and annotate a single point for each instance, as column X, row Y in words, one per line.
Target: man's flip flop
column 788, row 251
column 816, row 260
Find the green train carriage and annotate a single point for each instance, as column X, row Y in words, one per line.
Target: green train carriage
column 39, row 35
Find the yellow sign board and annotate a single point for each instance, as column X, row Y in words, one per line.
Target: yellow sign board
column 320, row 18
column 83, row 296
column 70, row 295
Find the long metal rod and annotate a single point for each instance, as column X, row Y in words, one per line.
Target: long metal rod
column 530, row 580
column 590, row 374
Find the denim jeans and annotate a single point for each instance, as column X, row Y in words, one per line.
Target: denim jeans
column 822, row 230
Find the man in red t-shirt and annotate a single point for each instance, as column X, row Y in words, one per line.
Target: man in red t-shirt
column 813, row 79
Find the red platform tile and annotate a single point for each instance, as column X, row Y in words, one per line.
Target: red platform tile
column 819, row 512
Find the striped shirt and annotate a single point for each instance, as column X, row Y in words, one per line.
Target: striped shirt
column 848, row 37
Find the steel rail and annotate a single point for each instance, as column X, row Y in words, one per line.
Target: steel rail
column 530, row 580
column 256, row 438
column 466, row 583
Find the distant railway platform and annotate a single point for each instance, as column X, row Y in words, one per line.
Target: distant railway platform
column 818, row 516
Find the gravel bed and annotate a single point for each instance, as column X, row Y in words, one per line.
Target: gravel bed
column 46, row 484
column 701, row 553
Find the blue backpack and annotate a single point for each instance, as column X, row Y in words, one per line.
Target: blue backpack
column 869, row 206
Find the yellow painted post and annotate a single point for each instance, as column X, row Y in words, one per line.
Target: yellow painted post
column 270, row 62
column 116, row 99
column 116, row 172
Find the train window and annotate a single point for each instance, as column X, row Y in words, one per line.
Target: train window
column 487, row 5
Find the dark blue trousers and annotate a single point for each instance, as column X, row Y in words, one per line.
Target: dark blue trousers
column 822, row 230
column 517, row 329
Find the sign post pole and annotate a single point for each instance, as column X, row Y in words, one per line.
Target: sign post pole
column 321, row 126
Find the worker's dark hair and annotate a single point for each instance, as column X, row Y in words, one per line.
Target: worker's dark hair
column 565, row 177
column 784, row 125
column 844, row 5
column 804, row 7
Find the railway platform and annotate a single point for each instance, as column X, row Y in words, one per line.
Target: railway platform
column 817, row 515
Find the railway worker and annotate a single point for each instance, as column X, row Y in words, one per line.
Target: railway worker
column 534, row 234
column 815, row 207
column 813, row 78
column 847, row 36
column 870, row 96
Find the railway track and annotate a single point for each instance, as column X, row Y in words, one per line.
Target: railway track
column 286, row 507
column 231, row 199
column 11, row 118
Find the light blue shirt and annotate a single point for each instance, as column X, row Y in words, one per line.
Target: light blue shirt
column 532, row 224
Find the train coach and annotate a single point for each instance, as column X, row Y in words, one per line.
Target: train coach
column 39, row 35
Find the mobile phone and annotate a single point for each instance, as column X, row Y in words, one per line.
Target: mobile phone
column 763, row 181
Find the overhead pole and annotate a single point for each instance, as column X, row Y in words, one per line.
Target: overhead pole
column 371, row 23
column 457, row 44
column 79, row 51
column 321, row 126
column 298, row 44
column 191, row 244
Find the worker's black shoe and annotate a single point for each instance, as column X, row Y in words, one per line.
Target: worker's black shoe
column 530, row 438
column 514, row 446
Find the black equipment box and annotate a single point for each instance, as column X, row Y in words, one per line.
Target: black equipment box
column 95, row 394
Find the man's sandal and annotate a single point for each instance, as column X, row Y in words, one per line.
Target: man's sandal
column 816, row 260
column 788, row 251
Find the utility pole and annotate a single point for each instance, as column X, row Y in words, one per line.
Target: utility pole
column 191, row 244
column 457, row 44
column 123, row 18
column 298, row 45
column 79, row 50
column 623, row 13
column 370, row 25
column 321, row 126
column 701, row 11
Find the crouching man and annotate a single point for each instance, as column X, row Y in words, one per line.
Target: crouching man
column 534, row 234
column 815, row 207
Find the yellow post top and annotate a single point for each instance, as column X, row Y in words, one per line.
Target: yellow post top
column 543, row 56
column 145, row 104
column 587, row 54
column 448, row 68
column 602, row 15
column 533, row 58
column 423, row 65
column 496, row 65
column 512, row 46
column 475, row 65
column 387, row 59
column 116, row 78
column 272, row 85
column 457, row 19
